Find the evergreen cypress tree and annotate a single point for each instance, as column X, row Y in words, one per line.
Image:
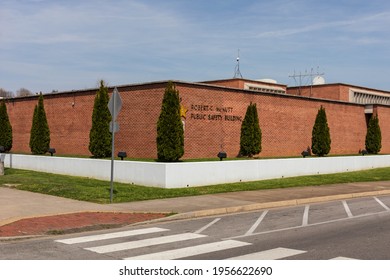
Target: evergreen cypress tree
column 373, row 136
column 257, row 131
column 320, row 140
column 100, row 135
column 33, row 131
column 250, row 140
column 245, row 138
column 170, row 132
column 5, row 128
column 40, row 133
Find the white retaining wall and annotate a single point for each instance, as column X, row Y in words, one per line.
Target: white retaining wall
column 191, row 174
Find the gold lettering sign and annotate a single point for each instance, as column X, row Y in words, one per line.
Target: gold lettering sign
column 213, row 113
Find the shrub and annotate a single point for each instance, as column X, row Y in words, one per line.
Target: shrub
column 100, row 135
column 5, row 128
column 320, row 140
column 373, row 136
column 250, row 140
column 40, row 133
column 170, row 132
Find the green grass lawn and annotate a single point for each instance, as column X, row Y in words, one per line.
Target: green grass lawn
column 99, row 191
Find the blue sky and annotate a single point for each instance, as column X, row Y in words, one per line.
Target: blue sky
column 61, row 45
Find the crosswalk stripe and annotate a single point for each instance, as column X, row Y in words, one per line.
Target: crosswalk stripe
column 191, row 251
column 144, row 243
column 341, row 259
column 106, row 236
column 273, row 254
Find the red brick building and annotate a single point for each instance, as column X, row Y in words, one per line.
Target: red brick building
column 212, row 116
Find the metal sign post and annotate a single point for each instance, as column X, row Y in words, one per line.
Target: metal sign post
column 114, row 106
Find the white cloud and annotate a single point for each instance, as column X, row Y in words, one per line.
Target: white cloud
column 132, row 41
column 84, row 22
column 370, row 23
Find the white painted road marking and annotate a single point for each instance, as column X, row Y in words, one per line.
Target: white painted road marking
column 257, row 223
column 305, row 219
column 342, row 259
column 144, row 243
column 346, row 207
column 207, row 226
column 191, row 251
column 110, row 235
column 273, row 254
column 382, row 204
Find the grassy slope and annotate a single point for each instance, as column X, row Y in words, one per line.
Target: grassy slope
column 98, row 191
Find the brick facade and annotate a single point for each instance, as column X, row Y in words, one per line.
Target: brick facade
column 341, row 92
column 384, row 123
column 213, row 120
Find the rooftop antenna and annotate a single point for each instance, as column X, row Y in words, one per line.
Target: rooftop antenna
column 237, row 72
column 307, row 78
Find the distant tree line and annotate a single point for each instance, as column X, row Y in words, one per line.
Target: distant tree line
column 19, row 93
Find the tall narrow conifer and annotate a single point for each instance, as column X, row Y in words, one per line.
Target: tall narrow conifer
column 40, row 132
column 100, row 135
column 320, row 140
column 250, row 140
column 170, row 132
column 5, row 128
column 373, row 136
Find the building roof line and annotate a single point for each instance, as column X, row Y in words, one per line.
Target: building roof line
column 202, row 84
column 341, row 84
column 243, row 79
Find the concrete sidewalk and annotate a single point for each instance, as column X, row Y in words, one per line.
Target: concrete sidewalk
column 16, row 204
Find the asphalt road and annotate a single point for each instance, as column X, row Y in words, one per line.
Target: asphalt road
column 352, row 229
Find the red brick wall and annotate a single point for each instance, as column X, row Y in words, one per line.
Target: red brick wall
column 331, row 91
column 240, row 83
column 344, row 93
column 137, row 120
column 286, row 121
column 69, row 125
column 234, row 83
column 20, row 113
column 384, row 123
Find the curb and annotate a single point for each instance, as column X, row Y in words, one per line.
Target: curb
column 19, row 237
column 275, row 204
column 219, row 211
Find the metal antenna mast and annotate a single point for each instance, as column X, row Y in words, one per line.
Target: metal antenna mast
column 308, row 77
column 237, row 72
